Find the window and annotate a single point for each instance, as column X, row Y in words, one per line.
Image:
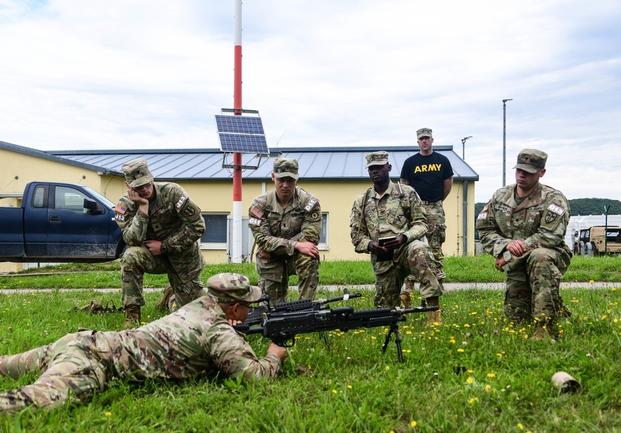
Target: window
column 323, row 238
column 38, row 198
column 69, row 199
column 215, row 232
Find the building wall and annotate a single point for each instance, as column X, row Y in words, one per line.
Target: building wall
column 335, row 197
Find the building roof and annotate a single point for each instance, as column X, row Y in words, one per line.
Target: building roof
column 334, row 163
column 51, row 157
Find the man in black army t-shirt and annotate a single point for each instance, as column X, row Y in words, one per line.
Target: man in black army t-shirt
column 431, row 175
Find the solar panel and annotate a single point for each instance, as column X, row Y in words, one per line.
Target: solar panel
column 243, row 134
column 239, row 124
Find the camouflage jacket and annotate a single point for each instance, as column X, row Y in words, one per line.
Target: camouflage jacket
column 540, row 219
column 276, row 230
column 195, row 340
column 173, row 219
column 397, row 211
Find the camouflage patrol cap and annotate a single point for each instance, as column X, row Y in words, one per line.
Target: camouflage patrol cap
column 377, row 158
column 531, row 160
column 137, row 173
column 286, row 168
column 230, row 288
column 424, row 132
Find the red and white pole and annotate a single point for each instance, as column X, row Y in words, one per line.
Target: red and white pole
column 236, row 242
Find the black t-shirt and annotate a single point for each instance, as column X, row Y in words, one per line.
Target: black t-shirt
column 426, row 174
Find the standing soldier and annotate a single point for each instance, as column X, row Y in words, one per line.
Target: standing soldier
column 162, row 228
column 196, row 340
column 523, row 227
column 286, row 225
column 387, row 221
column 431, row 175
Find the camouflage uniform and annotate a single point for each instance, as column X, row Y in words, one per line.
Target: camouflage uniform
column 276, row 230
column 540, row 220
column 396, row 211
column 173, row 219
column 195, row 340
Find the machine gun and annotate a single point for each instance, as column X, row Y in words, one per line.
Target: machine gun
column 257, row 315
column 283, row 328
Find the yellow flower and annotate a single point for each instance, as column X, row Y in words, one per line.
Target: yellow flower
column 348, row 386
column 473, row 400
column 591, row 281
column 491, row 375
column 413, row 424
column 488, row 388
column 108, row 414
column 520, row 426
column 470, row 380
column 334, row 391
column 460, row 350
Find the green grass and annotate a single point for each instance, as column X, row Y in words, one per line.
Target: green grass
column 498, row 382
column 458, row 269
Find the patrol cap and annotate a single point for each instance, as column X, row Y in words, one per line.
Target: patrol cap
column 286, row 168
column 231, row 288
column 137, row 173
column 424, row 132
column 377, row 158
column 531, row 160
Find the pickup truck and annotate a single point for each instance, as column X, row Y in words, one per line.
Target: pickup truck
column 60, row 222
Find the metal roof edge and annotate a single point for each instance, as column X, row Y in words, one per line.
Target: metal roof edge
column 272, row 150
column 51, row 157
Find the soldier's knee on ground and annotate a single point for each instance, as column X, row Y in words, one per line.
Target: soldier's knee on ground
column 133, row 259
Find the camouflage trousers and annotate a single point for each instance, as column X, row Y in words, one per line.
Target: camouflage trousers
column 183, row 274
column 436, row 235
column 274, row 271
column 74, row 367
column 413, row 258
column 533, row 282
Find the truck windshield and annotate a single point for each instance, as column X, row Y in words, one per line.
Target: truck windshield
column 99, row 197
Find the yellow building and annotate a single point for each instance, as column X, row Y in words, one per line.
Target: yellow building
column 335, row 175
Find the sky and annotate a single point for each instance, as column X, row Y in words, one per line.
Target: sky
column 152, row 74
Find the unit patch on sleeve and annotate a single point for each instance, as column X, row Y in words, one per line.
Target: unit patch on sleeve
column 254, row 221
column 554, row 211
column 119, row 212
column 181, row 202
column 311, row 203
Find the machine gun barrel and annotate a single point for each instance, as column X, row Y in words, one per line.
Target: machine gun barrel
column 282, row 328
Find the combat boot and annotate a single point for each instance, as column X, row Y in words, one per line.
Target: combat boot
column 132, row 316
column 433, row 317
column 406, row 300
column 165, row 301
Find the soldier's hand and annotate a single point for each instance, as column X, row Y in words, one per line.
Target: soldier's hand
column 517, row 247
column 142, row 203
column 500, row 262
column 395, row 243
column 376, row 248
column 154, row 247
column 280, row 352
column 307, row 248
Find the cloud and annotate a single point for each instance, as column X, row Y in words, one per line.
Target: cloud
column 152, row 74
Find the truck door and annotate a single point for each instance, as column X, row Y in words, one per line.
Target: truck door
column 35, row 220
column 73, row 230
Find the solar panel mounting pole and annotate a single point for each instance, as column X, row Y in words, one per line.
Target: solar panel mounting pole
column 236, row 242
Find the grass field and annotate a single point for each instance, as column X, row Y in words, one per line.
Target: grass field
column 473, row 373
column 458, row 269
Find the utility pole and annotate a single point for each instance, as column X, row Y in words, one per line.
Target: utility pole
column 463, row 146
column 504, row 140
